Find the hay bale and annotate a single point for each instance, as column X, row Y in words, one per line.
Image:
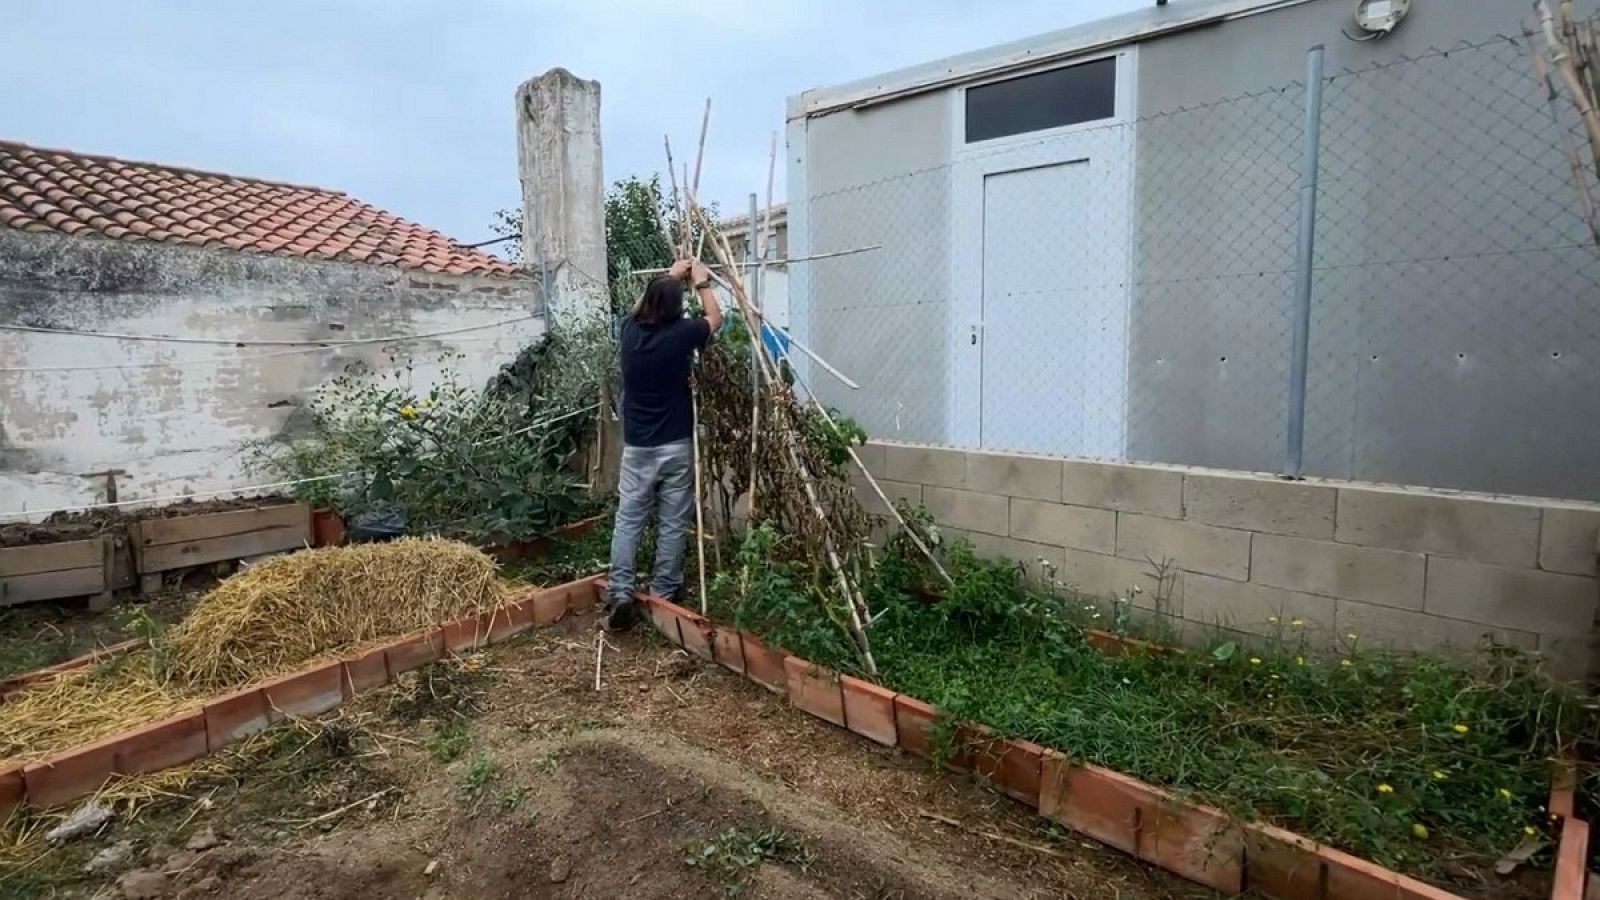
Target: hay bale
column 283, row 612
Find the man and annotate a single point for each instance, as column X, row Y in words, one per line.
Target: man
column 657, row 347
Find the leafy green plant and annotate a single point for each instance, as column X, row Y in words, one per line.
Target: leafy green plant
column 733, row 855
column 1404, row 759
column 478, row 465
column 450, row 739
column 481, row 771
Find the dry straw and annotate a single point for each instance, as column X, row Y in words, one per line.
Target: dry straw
column 278, row 614
column 269, row 619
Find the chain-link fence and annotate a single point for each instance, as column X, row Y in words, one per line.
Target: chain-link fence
column 1128, row 291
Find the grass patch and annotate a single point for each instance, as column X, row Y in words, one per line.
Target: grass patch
column 732, row 857
column 480, row 773
column 1406, row 760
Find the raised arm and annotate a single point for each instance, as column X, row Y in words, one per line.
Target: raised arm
column 708, row 296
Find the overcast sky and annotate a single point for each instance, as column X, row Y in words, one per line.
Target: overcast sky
column 408, row 104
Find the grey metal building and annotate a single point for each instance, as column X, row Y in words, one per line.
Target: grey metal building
column 1089, row 245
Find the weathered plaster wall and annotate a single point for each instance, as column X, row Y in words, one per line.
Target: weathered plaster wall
column 175, row 416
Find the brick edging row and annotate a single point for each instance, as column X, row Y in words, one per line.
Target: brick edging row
column 1197, row 842
column 227, row 719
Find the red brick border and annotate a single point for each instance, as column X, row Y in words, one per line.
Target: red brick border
column 221, row 721
column 1198, row 842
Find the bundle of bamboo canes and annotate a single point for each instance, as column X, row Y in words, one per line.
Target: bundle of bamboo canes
column 757, row 438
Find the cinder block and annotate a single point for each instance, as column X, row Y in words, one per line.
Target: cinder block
column 1524, row 599
column 968, row 510
column 1103, row 577
column 70, row 774
column 1258, row 609
column 1569, row 542
column 234, row 717
column 1138, row 489
column 1077, row 527
column 1570, row 659
column 871, row 455
column 1369, row 574
column 1031, row 477
column 12, row 791
column 1484, row 531
column 1257, row 504
column 1013, row 765
column 1193, row 547
column 1403, row 629
column 896, row 491
column 937, row 466
column 365, row 670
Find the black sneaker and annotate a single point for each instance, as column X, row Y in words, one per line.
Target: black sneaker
column 621, row 616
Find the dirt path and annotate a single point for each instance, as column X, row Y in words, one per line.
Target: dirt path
column 675, row 780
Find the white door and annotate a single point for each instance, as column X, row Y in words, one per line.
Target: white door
column 1053, row 353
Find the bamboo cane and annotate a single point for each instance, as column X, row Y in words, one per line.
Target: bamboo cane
column 855, row 603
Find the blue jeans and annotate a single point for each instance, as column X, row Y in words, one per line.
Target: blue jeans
column 650, row 476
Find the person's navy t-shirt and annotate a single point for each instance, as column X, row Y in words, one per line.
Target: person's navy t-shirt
column 656, row 362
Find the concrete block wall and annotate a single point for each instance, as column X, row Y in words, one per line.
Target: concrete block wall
column 1214, row 552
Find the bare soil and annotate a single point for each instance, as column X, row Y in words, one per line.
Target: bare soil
column 555, row 790
column 36, row 635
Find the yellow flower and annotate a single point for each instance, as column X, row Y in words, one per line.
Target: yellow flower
column 1255, row 660
column 1439, row 775
column 1505, row 793
column 1460, row 728
column 427, row 402
column 1272, row 619
column 408, row 412
column 1299, row 660
column 1420, row 830
column 1346, row 662
column 1274, row 678
column 1385, row 789
column 1352, row 636
column 1529, row 830
column 1297, row 623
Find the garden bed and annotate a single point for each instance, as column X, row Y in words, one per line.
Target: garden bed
column 60, row 569
column 1199, row 842
column 191, row 725
column 182, row 537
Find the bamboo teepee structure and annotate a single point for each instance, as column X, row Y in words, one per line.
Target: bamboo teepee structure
column 785, row 458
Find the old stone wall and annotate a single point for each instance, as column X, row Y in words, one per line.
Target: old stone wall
column 174, row 416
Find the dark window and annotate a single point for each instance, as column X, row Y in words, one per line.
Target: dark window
column 1050, row 99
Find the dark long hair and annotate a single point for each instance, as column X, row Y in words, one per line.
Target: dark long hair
column 662, row 301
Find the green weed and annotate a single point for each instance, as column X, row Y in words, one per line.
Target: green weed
column 481, row 771
column 449, row 741
column 733, row 855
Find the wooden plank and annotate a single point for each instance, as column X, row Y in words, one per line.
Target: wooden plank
column 155, row 532
column 52, row 585
column 237, row 546
column 58, row 557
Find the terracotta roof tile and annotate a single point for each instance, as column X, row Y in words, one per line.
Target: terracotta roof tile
column 74, row 193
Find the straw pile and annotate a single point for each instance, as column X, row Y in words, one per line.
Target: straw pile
column 86, row 705
column 274, row 616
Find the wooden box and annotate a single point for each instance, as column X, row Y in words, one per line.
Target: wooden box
column 179, row 542
column 62, row 569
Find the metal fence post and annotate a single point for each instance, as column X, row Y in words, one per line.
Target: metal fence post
column 753, row 279
column 1294, row 456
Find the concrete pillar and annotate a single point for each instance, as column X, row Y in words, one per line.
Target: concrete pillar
column 564, row 223
column 563, row 190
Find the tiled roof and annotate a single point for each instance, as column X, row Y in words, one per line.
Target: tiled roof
column 78, row 194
